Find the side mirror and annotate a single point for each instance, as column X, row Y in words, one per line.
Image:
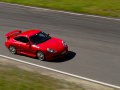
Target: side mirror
column 28, row 43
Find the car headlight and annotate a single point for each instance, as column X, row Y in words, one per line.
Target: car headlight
column 64, row 44
column 50, row 50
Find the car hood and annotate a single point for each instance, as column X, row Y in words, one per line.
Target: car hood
column 53, row 43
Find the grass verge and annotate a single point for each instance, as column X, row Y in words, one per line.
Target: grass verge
column 13, row 78
column 97, row 7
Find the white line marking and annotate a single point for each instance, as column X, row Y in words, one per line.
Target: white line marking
column 84, row 78
column 65, row 73
column 79, row 14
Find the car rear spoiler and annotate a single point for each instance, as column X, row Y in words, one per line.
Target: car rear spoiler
column 12, row 33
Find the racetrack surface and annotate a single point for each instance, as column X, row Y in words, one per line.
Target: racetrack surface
column 94, row 43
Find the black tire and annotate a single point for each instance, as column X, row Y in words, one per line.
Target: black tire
column 40, row 55
column 12, row 49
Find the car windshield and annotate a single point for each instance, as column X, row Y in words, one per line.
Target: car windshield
column 39, row 38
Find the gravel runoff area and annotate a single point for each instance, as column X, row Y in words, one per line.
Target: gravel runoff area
column 85, row 84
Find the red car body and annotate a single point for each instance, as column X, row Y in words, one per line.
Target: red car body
column 31, row 41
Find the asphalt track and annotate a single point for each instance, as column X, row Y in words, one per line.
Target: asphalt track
column 94, row 43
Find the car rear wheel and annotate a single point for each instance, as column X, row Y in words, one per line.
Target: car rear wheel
column 40, row 56
column 12, row 49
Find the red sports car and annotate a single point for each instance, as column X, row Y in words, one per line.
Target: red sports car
column 35, row 43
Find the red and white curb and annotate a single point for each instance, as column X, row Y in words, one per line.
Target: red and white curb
column 65, row 73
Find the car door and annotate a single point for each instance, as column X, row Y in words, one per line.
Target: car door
column 23, row 45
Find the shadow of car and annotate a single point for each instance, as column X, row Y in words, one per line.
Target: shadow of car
column 68, row 57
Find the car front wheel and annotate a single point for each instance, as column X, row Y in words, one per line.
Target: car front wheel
column 12, row 49
column 40, row 56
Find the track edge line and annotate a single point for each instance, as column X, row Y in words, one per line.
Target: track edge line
column 58, row 71
column 67, row 12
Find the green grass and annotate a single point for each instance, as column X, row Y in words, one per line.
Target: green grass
column 98, row 7
column 13, row 78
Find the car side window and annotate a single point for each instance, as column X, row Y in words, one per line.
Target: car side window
column 22, row 39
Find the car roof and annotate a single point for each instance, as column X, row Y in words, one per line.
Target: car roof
column 29, row 33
